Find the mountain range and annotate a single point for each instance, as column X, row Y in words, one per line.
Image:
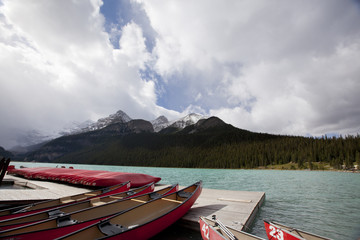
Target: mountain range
column 32, row 139
column 121, row 117
column 125, row 138
column 193, row 141
column 117, row 124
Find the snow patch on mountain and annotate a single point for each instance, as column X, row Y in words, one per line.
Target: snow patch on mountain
column 75, row 127
column 118, row 117
column 160, row 123
column 188, row 120
column 181, row 123
column 35, row 137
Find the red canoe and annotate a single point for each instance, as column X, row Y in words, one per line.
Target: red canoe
column 60, row 226
column 62, row 210
column 215, row 230
column 279, row 231
column 143, row 221
column 86, row 177
column 45, row 205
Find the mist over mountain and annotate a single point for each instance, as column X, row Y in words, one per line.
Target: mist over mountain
column 75, row 136
column 5, row 154
column 30, row 139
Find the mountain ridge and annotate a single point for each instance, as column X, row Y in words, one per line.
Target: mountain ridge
column 210, row 143
column 32, row 138
column 130, row 130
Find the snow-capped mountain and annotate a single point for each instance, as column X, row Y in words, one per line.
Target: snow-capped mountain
column 35, row 137
column 118, row 117
column 162, row 122
column 75, row 127
column 188, row 120
column 30, row 138
column 158, row 124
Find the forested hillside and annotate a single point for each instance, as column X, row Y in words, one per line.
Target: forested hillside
column 218, row 147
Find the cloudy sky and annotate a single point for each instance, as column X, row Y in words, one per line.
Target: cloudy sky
column 284, row 67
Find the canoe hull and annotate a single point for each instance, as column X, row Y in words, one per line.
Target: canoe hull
column 153, row 228
column 208, row 231
column 282, row 232
column 51, row 233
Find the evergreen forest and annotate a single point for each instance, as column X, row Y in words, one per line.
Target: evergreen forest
column 225, row 148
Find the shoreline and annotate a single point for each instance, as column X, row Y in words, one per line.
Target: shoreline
column 286, row 166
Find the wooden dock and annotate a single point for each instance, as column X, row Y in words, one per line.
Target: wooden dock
column 234, row 208
column 237, row 209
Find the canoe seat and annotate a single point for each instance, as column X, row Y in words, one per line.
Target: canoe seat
column 114, row 197
column 90, row 194
column 171, row 200
column 137, row 200
column 66, row 200
column 96, row 202
column 80, row 199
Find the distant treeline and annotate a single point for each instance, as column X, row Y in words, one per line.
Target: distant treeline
column 219, row 149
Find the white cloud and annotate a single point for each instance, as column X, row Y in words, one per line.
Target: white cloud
column 278, row 66
column 270, row 66
column 58, row 66
column 132, row 45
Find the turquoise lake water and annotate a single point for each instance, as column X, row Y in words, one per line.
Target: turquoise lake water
column 325, row 203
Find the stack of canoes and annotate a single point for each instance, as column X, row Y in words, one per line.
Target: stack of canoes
column 96, row 178
column 139, row 213
column 48, row 204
